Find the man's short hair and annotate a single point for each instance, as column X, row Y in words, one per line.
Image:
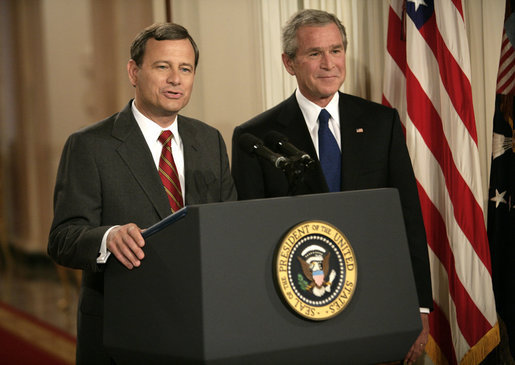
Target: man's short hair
column 307, row 17
column 160, row 32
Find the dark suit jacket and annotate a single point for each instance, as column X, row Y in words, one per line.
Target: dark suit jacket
column 374, row 155
column 107, row 177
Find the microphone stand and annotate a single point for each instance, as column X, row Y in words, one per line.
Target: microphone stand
column 295, row 172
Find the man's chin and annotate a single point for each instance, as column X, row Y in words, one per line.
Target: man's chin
column 328, row 92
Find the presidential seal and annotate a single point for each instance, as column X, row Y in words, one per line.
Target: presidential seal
column 316, row 270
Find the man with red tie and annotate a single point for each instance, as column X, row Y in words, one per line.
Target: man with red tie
column 131, row 170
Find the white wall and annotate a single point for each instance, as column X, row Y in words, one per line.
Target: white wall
column 227, row 89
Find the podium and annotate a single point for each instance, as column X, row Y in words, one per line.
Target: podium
column 206, row 293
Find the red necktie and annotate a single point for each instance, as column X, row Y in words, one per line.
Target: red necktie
column 168, row 172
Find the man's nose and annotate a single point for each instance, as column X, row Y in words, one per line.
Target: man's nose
column 327, row 61
column 174, row 77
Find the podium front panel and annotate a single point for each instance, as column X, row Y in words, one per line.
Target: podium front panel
column 206, row 290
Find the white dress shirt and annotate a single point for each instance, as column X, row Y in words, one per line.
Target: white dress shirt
column 311, row 111
column 151, row 132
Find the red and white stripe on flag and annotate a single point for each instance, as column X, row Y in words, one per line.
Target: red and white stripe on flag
column 506, row 76
column 427, row 79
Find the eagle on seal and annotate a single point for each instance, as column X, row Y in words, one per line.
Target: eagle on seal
column 316, row 272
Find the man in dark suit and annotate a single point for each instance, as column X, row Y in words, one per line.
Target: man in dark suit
column 108, row 186
column 364, row 149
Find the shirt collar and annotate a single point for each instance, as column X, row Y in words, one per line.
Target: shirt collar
column 311, row 111
column 150, row 129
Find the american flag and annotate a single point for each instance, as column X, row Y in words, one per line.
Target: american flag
column 427, row 79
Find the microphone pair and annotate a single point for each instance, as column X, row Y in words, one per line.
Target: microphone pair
column 286, row 155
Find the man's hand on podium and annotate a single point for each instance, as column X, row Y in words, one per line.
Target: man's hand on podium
column 125, row 243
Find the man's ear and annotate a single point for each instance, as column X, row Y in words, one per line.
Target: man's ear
column 288, row 64
column 132, row 71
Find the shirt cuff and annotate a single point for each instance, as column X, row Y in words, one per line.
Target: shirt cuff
column 424, row 310
column 104, row 254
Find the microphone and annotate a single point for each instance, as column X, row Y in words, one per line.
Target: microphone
column 252, row 144
column 279, row 142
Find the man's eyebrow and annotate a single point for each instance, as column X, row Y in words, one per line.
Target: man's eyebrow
column 170, row 63
column 336, row 46
column 186, row 64
column 161, row 61
column 318, row 49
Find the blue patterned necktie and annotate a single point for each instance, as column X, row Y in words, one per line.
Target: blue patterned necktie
column 329, row 152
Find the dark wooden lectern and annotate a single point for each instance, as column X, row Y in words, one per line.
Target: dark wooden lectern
column 205, row 292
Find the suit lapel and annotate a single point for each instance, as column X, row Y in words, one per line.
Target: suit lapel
column 291, row 123
column 134, row 151
column 191, row 149
column 352, row 141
